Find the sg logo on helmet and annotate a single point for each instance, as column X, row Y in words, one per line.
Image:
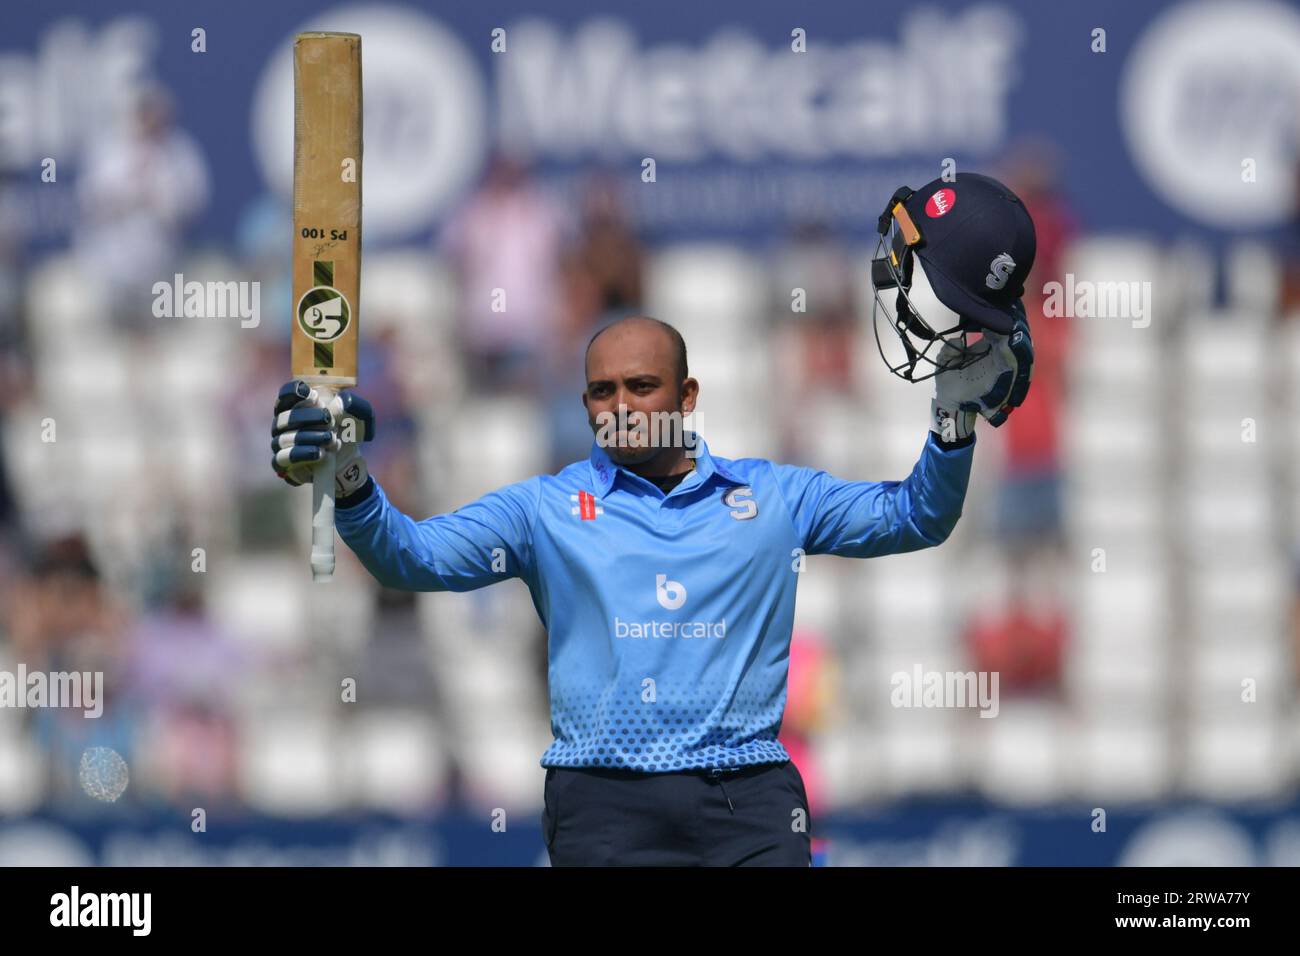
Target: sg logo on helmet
column 1000, row 270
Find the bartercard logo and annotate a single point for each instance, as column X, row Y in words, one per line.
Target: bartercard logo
column 670, row 594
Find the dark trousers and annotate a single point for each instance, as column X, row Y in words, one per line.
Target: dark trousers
column 752, row 816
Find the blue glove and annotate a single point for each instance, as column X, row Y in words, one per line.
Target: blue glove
column 993, row 385
column 304, row 427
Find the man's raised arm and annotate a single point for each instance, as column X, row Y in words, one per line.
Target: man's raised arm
column 486, row 541
column 866, row 519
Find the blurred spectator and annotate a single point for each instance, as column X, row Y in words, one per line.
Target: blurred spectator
column 603, row 270
column 14, row 355
column 1295, row 615
column 809, row 693
column 813, row 341
column 263, row 501
column 1029, row 506
column 1023, row 643
column 184, row 674
column 505, row 245
column 62, row 617
column 136, row 194
column 815, row 261
column 64, row 620
column 260, row 238
column 604, row 265
column 1289, row 246
column 392, row 456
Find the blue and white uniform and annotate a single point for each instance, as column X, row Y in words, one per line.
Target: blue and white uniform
column 669, row 617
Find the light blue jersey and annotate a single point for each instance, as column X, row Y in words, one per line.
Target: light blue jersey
column 669, row 617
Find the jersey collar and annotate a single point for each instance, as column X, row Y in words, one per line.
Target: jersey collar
column 604, row 470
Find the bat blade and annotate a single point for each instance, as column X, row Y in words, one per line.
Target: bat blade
column 327, row 146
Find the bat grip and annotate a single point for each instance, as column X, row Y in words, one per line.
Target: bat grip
column 322, row 512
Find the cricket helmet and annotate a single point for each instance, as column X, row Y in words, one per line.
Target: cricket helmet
column 976, row 245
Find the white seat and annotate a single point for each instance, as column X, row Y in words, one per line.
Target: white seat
column 1236, row 519
column 708, row 291
column 1125, row 600
column 897, row 446
column 1122, row 761
column 63, row 294
column 499, row 758
column 1104, row 452
column 920, row 753
column 1254, row 276
column 289, row 764
column 827, row 422
column 1249, row 597
column 1134, row 675
column 1127, row 371
column 74, row 379
column 905, row 586
column 1123, row 515
column 260, row 600
column 818, row 601
column 411, row 292
column 1238, row 759
column 1023, row 752
column 23, row 770
column 1218, row 668
column 396, row 760
column 849, row 758
column 1223, row 349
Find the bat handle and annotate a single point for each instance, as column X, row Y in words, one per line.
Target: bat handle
column 322, row 511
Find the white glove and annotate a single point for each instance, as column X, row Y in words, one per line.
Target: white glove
column 993, row 385
column 305, row 427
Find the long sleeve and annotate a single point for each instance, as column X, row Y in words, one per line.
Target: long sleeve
column 866, row 519
column 481, row 543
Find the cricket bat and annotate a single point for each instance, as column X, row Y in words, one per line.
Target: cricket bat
column 326, row 240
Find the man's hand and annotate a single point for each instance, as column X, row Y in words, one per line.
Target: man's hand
column 304, row 428
column 993, row 385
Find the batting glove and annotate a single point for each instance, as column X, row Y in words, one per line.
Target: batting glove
column 993, row 385
column 305, row 428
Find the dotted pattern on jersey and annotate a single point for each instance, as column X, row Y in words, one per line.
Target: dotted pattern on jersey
column 600, row 727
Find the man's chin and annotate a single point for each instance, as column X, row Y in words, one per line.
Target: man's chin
column 630, row 454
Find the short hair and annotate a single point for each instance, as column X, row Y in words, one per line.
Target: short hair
column 679, row 343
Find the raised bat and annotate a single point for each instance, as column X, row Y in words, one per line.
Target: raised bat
column 326, row 240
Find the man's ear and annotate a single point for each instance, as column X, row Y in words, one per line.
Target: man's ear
column 584, row 402
column 690, row 390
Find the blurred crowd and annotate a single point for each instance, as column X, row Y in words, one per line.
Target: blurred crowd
column 224, row 673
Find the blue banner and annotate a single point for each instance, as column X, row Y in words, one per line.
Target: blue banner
column 914, row 834
column 1170, row 118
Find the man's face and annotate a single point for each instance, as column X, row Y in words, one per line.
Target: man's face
column 634, row 364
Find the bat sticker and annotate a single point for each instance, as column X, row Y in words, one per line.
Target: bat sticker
column 324, row 313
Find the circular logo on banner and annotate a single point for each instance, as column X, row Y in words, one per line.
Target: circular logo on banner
column 324, row 313
column 939, row 204
column 1208, row 102
column 424, row 106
